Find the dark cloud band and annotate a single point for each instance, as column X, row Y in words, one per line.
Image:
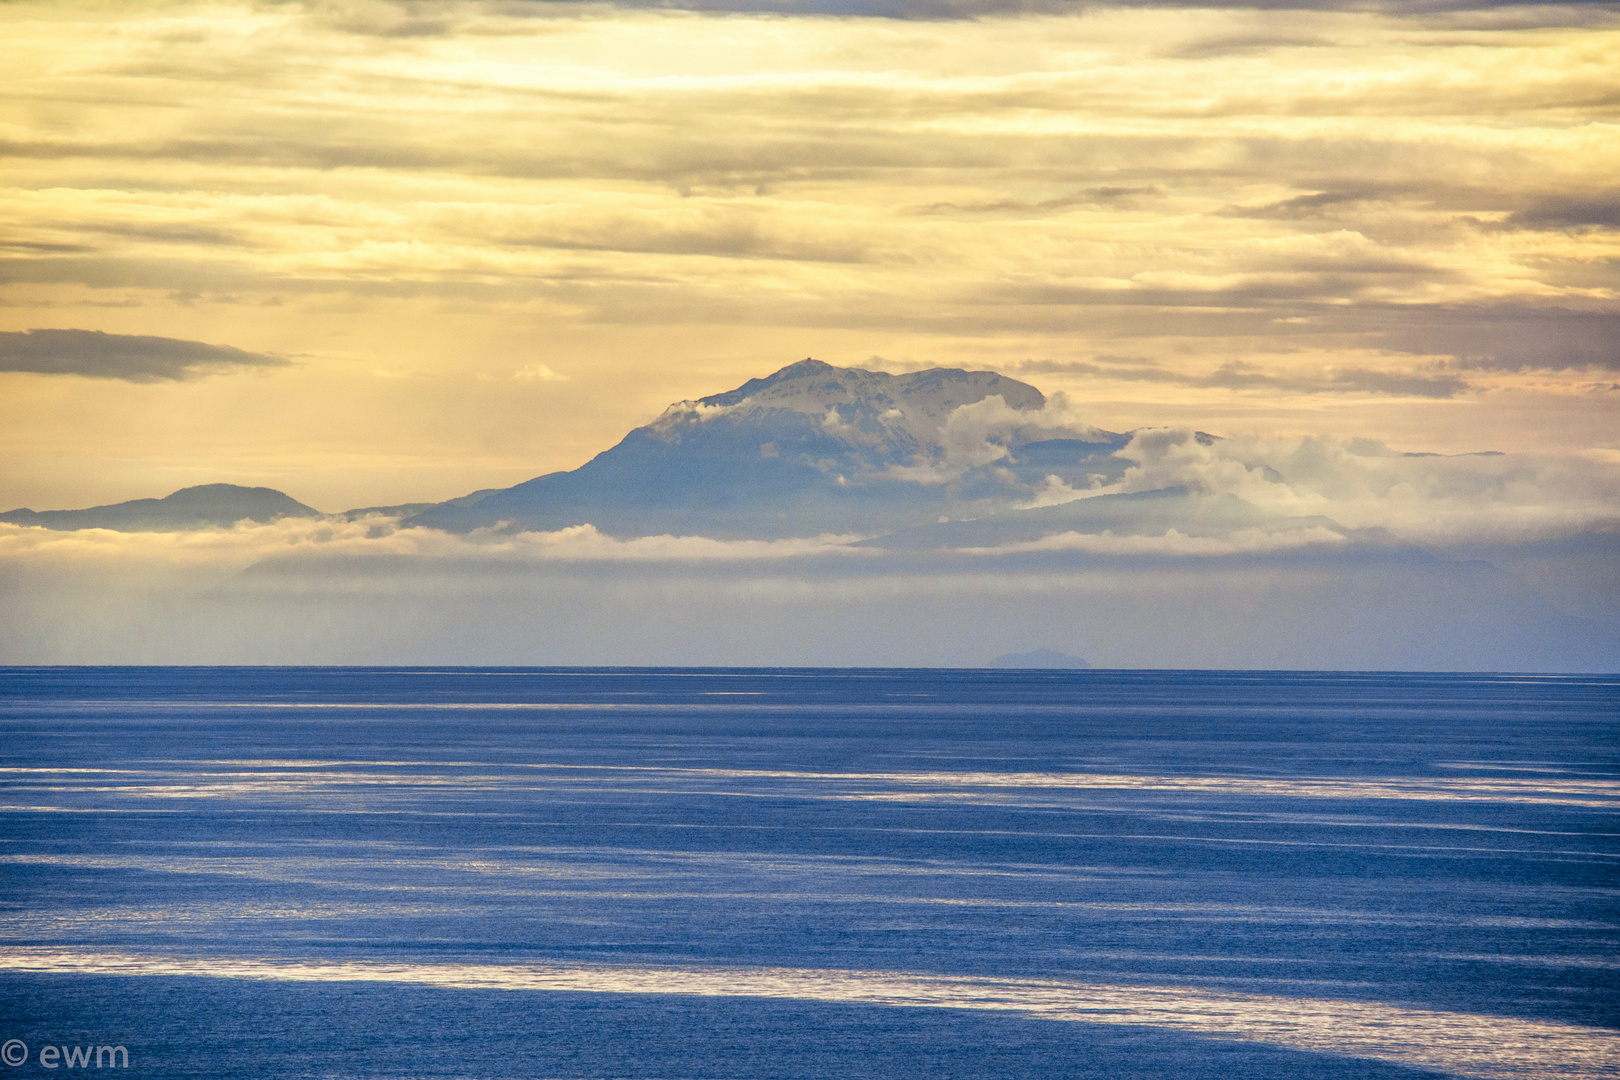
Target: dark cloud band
column 132, row 357
column 1240, row 376
column 431, row 20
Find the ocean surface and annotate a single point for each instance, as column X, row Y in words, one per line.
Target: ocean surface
column 337, row 872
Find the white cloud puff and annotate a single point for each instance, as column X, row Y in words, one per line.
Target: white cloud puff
column 985, row 431
column 538, row 373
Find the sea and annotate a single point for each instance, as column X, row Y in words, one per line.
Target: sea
column 726, row 874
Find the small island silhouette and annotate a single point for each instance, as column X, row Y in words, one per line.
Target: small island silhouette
column 1040, row 658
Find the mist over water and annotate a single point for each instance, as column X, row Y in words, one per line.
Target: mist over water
column 788, row 873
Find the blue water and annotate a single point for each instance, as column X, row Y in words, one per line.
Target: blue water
column 618, row 873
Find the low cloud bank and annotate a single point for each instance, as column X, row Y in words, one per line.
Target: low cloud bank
column 1518, row 572
column 1359, row 483
column 1318, row 606
column 379, row 537
column 1173, row 543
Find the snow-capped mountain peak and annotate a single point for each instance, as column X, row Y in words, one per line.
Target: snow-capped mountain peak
column 812, row 448
column 904, row 420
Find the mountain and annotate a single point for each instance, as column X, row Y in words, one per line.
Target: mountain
column 942, row 459
column 809, row 450
column 974, row 517
column 189, row 508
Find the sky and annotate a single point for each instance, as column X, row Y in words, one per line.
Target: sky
column 371, row 252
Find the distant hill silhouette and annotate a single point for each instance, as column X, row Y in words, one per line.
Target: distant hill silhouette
column 189, row 508
column 1040, row 658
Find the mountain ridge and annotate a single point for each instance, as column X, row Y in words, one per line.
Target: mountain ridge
column 935, row 459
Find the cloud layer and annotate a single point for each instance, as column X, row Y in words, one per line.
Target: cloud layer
column 1284, row 213
column 131, row 357
column 1423, row 498
column 1174, row 602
